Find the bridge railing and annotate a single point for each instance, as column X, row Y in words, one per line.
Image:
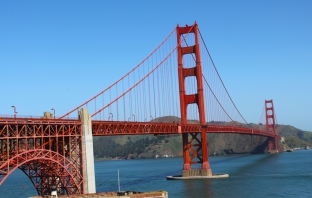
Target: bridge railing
column 35, row 117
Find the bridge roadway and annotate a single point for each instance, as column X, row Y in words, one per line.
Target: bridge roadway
column 44, row 148
column 110, row 128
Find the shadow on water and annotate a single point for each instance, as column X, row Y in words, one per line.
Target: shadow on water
column 261, row 161
column 200, row 185
column 231, row 158
column 148, row 178
column 198, row 188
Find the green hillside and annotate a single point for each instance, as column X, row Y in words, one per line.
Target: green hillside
column 295, row 137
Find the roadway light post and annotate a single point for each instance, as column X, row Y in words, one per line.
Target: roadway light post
column 53, row 112
column 151, row 118
column 133, row 117
column 14, row 111
column 112, row 116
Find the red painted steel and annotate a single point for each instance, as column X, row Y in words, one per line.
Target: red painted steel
column 197, row 98
column 110, row 128
column 48, row 152
column 271, row 125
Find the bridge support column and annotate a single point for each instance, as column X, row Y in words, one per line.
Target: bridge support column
column 186, row 157
column 271, row 126
column 192, row 147
column 206, row 170
column 87, row 152
column 191, row 150
column 272, row 145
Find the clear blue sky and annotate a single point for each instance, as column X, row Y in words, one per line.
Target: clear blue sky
column 58, row 54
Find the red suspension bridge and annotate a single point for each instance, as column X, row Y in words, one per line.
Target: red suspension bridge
column 178, row 79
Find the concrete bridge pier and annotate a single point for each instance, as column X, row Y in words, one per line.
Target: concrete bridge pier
column 273, row 145
column 87, row 152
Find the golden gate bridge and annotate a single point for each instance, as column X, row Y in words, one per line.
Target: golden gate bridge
column 178, row 78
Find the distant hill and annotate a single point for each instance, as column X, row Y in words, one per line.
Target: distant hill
column 148, row 146
column 295, row 137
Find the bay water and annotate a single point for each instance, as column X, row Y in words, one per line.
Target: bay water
column 263, row 175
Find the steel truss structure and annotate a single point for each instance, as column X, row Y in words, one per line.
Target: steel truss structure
column 47, row 151
column 109, row 128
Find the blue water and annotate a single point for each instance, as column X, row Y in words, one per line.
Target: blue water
column 263, row 175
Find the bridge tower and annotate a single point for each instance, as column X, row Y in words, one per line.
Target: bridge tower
column 271, row 126
column 194, row 147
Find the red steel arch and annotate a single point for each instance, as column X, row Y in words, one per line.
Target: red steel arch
column 46, row 168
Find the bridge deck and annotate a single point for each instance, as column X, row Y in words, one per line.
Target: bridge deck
column 110, row 128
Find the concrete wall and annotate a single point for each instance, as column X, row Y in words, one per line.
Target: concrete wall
column 87, row 152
